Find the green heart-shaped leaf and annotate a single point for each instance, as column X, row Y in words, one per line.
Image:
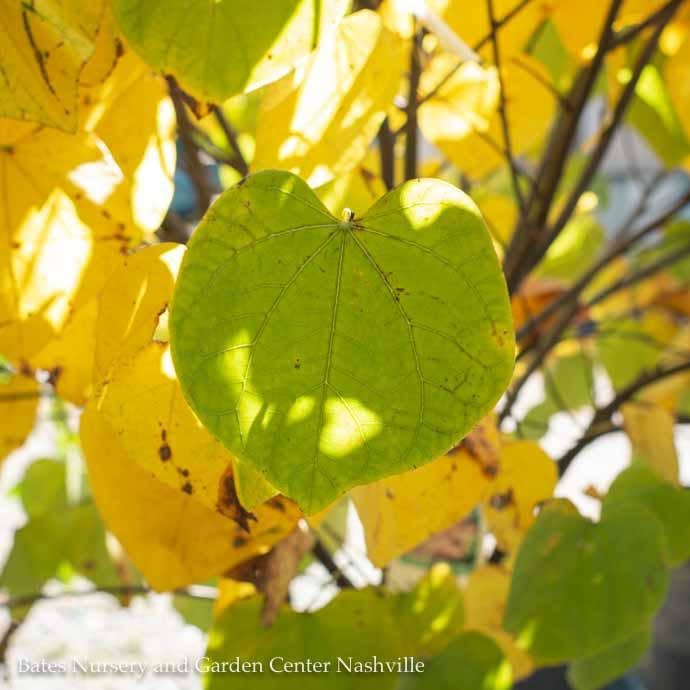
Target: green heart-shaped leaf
column 574, row 581
column 332, row 353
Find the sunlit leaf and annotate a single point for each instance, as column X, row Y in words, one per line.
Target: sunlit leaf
column 66, row 223
column 319, row 120
column 239, row 52
column 462, row 118
column 331, row 353
column 43, row 50
column 145, row 153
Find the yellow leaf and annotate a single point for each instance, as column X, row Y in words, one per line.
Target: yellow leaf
column 130, row 305
column 485, row 596
column 143, row 403
column 114, row 325
column 172, row 538
column 462, row 117
column 319, row 120
column 471, row 22
column 146, row 152
column 69, row 356
column 357, row 190
column 18, row 403
column 390, row 509
column 650, row 429
column 229, row 592
column 528, row 477
column 65, row 220
column 107, row 52
column 43, row 49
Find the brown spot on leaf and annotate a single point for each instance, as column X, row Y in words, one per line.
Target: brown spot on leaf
column 228, row 503
column 502, row 501
column 188, row 488
column 478, row 446
column 164, row 452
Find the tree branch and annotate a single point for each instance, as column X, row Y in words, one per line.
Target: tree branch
column 241, row 164
column 552, row 164
column 185, row 131
column 618, row 248
column 193, row 592
column 502, row 110
column 411, row 129
column 601, row 421
column 602, row 146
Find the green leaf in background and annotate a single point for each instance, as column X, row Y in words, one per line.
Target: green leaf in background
column 568, row 385
column 641, row 486
column 195, row 610
column 653, row 115
column 330, row 353
column 594, row 672
column 472, row 661
column 42, row 489
column 357, row 624
column 627, row 347
column 50, row 546
column 574, row 580
column 218, row 49
column 58, row 540
column 574, row 249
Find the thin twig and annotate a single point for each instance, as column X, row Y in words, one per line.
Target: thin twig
column 618, row 248
column 603, row 142
column 191, row 151
column 241, row 164
column 601, row 421
column 194, row 592
column 476, row 48
column 502, row 109
column 553, row 161
column 411, row 129
column 322, row 555
column 643, row 273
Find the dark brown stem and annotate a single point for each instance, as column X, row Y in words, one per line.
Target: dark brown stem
column 603, row 142
column 502, row 109
column 550, row 171
column 386, row 139
column 601, row 422
column 241, row 164
column 618, row 248
column 322, row 555
column 411, row 128
column 185, row 132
